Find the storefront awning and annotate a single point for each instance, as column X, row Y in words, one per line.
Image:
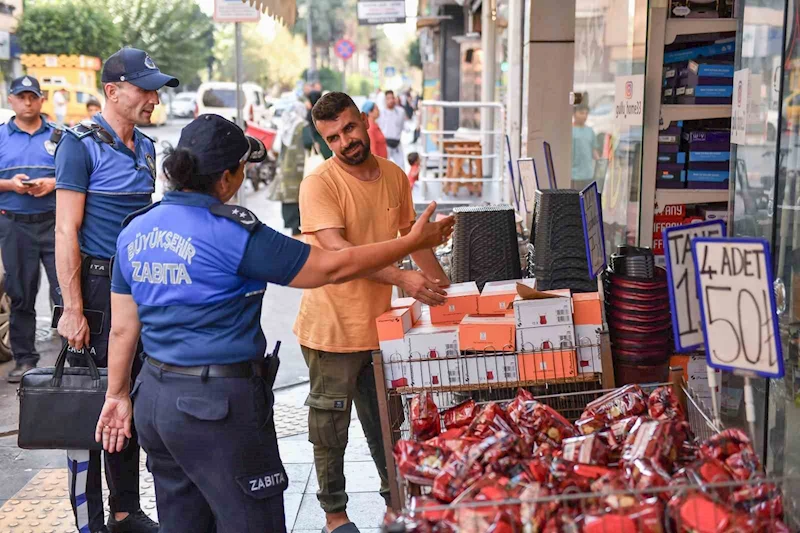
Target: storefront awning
column 286, row 10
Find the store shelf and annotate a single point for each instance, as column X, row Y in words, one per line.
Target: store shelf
column 673, row 112
column 690, row 196
column 679, row 26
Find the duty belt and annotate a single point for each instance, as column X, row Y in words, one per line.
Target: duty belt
column 246, row 369
column 36, row 217
column 93, row 266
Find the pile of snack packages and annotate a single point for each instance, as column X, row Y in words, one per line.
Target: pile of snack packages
column 623, row 441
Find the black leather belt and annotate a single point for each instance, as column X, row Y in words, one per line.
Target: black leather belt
column 36, row 217
column 246, row 369
column 97, row 267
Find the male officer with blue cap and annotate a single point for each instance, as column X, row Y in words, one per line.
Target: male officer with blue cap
column 28, row 215
column 105, row 170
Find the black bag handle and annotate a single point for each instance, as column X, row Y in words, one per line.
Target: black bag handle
column 62, row 361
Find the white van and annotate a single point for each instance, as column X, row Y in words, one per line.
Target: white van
column 219, row 98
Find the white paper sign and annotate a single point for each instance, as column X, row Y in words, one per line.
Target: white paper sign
column 687, row 325
column 737, row 303
column 381, row 11
column 698, row 380
column 741, row 98
column 235, row 11
column 592, row 218
column 629, row 100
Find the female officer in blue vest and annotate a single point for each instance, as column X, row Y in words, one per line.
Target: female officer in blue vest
column 189, row 275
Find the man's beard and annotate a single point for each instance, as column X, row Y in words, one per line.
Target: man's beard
column 355, row 160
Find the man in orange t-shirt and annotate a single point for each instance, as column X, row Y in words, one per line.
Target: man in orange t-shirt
column 353, row 198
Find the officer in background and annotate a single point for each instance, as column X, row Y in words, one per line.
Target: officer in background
column 105, row 170
column 28, row 209
column 190, row 276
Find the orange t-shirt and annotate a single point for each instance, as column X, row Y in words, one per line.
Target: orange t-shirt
column 341, row 318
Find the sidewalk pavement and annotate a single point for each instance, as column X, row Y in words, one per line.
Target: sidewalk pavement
column 33, row 484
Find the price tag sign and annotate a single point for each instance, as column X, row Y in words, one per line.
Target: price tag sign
column 737, row 305
column 527, row 171
column 592, row 218
column 687, row 325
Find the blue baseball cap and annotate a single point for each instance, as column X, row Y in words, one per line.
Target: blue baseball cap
column 25, row 84
column 219, row 144
column 368, row 106
column 136, row 67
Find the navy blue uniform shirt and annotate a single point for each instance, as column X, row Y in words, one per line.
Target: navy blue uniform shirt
column 32, row 155
column 198, row 279
column 115, row 180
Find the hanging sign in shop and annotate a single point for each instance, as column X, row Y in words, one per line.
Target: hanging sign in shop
column 686, row 321
column 592, row 217
column 737, row 305
column 629, row 100
column 741, row 98
column 371, row 12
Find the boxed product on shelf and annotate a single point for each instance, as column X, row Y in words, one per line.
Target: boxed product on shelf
column 537, row 366
column 495, row 333
column 701, row 138
column 707, row 179
column 409, row 303
column 668, row 96
column 587, row 339
column 692, row 220
column 722, row 50
column 393, row 324
column 671, row 180
column 489, row 368
column 497, row 296
column 707, row 95
column 694, row 9
column 707, row 73
column 719, row 160
column 542, row 312
column 432, row 342
column 675, row 157
column 545, row 338
column 462, row 300
column 668, row 148
column 669, row 138
column 711, row 213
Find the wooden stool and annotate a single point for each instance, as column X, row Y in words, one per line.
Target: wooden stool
column 458, row 167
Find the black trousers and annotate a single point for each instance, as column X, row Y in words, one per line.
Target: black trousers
column 26, row 245
column 122, row 469
column 291, row 217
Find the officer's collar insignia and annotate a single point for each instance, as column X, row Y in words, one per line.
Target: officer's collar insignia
column 151, row 163
column 240, row 215
column 27, row 82
column 50, row 146
column 149, row 63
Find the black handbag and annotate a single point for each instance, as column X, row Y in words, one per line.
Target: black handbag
column 59, row 407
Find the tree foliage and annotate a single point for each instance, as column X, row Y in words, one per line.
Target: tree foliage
column 69, row 27
column 328, row 19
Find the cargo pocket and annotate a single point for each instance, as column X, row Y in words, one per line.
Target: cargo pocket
column 265, row 484
column 328, row 420
column 210, row 409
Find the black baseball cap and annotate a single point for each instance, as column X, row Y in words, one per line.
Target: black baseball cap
column 219, row 144
column 136, row 67
column 25, row 84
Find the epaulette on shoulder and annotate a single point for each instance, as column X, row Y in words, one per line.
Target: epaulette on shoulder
column 135, row 214
column 81, row 131
column 240, row 215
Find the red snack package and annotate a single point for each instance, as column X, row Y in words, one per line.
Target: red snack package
column 574, row 477
column 461, row 415
column 763, row 501
column 708, row 471
column 589, row 449
column 744, row 465
column 543, row 423
column 645, row 517
column 517, row 404
column 652, row 440
column 492, row 419
column 613, row 482
column 419, row 463
column 453, row 440
column 696, row 512
column 456, row 475
column 644, row 474
column 425, row 422
column 617, row 404
column 726, row 443
column 663, row 404
column 533, row 513
column 428, row 509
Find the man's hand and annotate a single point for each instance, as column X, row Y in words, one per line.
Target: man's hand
column 74, row 327
column 114, row 424
column 16, row 183
column 42, row 187
column 429, row 234
column 423, row 288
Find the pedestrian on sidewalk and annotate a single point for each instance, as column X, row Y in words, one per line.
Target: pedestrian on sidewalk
column 203, row 401
column 28, row 209
column 377, row 141
column 60, row 107
column 392, row 121
column 352, row 199
column 105, row 170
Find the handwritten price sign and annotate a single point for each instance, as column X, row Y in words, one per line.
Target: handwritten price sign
column 737, row 304
column 687, row 325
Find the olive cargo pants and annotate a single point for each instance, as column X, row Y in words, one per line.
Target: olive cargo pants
column 337, row 381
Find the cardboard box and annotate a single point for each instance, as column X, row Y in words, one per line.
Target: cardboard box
column 393, row 324
column 588, row 341
column 432, row 342
column 546, row 338
column 587, row 309
column 394, row 350
column 540, row 366
column 483, row 369
column 497, row 296
column 493, row 333
column 543, row 312
column 462, row 300
column 409, row 303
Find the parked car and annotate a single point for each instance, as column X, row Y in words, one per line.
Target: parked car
column 183, row 104
column 76, row 100
column 219, row 98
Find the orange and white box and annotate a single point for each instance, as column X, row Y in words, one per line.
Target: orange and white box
column 432, row 342
column 544, row 312
column 546, row 338
column 497, row 296
column 461, row 300
column 587, row 339
column 487, row 333
column 484, row 369
column 409, row 303
column 393, row 324
column 587, row 309
column 541, row 366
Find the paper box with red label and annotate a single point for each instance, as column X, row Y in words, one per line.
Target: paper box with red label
column 540, row 312
column 461, row 300
column 540, row 366
column 545, row 338
column 587, row 309
column 497, row 296
column 482, row 333
column 484, row 369
column 432, row 342
column 397, row 371
column 409, row 303
column 587, row 339
column 393, row 324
